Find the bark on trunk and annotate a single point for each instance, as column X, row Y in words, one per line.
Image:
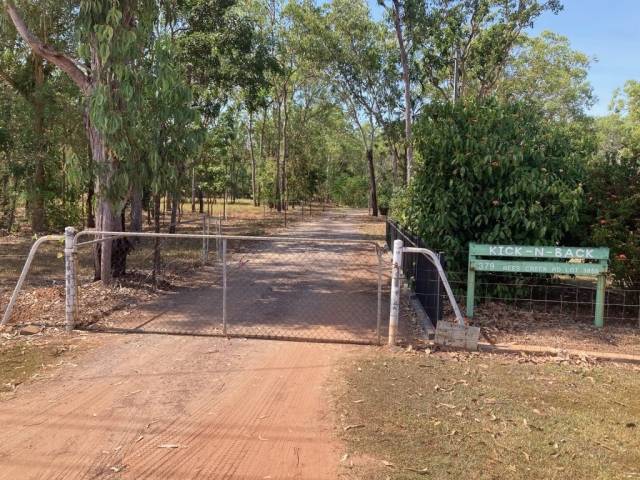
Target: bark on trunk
column 39, row 183
column 407, row 87
column 277, row 199
column 174, row 212
column 107, row 220
column 253, row 162
column 394, row 154
column 285, row 152
column 193, row 190
column 156, row 245
column 91, row 219
column 372, row 180
column 136, row 213
column 201, row 200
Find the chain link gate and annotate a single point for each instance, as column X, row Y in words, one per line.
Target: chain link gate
column 253, row 287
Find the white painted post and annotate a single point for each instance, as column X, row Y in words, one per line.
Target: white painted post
column 204, row 240
column 395, row 291
column 379, row 319
column 218, row 254
column 208, row 233
column 71, row 279
column 224, row 286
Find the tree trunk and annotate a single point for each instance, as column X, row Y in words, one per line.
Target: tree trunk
column 156, row 245
column 201, row 200
column 278, row 195
column 253, row 161
column 394, row 154
column 285, row 151
column 91, row 219
column 407, row 88
column 39, row 181
column 193, row 190
column 106, row 219
column 136, row 213
column 372, row 180
column 174, row 211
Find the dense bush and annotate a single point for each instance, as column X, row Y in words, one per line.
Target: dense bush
column 611, row 216
column 490, row 172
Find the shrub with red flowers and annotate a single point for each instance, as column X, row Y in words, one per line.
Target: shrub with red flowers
column 612, row 211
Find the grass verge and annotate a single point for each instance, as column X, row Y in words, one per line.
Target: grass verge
column 23, row 362
column 459, row 415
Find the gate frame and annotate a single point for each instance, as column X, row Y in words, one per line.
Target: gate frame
column 72, row 311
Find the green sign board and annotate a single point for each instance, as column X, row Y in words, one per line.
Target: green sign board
column 538, row 252
column 509, row 259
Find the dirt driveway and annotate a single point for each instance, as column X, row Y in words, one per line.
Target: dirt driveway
column 164, row 406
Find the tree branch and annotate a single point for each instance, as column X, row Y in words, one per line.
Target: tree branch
column 7, row 78
column 60, row 60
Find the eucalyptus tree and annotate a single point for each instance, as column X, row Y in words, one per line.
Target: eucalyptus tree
column 546, row 69
column 350, row 51
column 227, row 57
column 29, row 75
column 483, row 32
column 114, row 77
column 399, row 12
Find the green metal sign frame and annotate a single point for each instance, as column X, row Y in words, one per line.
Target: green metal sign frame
column 508, row 259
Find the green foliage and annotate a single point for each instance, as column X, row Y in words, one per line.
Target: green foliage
column 611, row 212
column 612, row 209
column 546, row 69
column 491, row 172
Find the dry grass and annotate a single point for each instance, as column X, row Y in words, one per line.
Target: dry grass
column 471, row 416
column 34, row 359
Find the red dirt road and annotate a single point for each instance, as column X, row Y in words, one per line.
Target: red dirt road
column 180, row 407
column 234, row 408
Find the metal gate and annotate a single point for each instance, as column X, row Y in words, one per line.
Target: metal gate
column 252, row 287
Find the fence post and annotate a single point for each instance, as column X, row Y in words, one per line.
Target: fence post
column 379, row 323
column 71, row 279
column 218, row 240
column 208, row 233
column 600, row 293
column 224, row 286
column 204, row 240
column 395, row 291
column 471, row 283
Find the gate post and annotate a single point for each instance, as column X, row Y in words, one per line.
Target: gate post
column 395, row 291
column 224, row 286
column 379, row 316
column 600, row 299
column 71, row 279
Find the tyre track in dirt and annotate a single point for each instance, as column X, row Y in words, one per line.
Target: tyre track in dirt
column 236, row 408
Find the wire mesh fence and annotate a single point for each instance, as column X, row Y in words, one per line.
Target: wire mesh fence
column 568, row 297
column 421, row 275
column 265, row 287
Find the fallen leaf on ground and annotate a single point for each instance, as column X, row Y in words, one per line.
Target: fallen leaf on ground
column 118, row 469
column 424, row 471
column 358, row 401
column 139, row 438
column 387, row 464
column 169, row 445
column 349, row 427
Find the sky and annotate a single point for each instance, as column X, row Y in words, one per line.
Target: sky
column 606, row 29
